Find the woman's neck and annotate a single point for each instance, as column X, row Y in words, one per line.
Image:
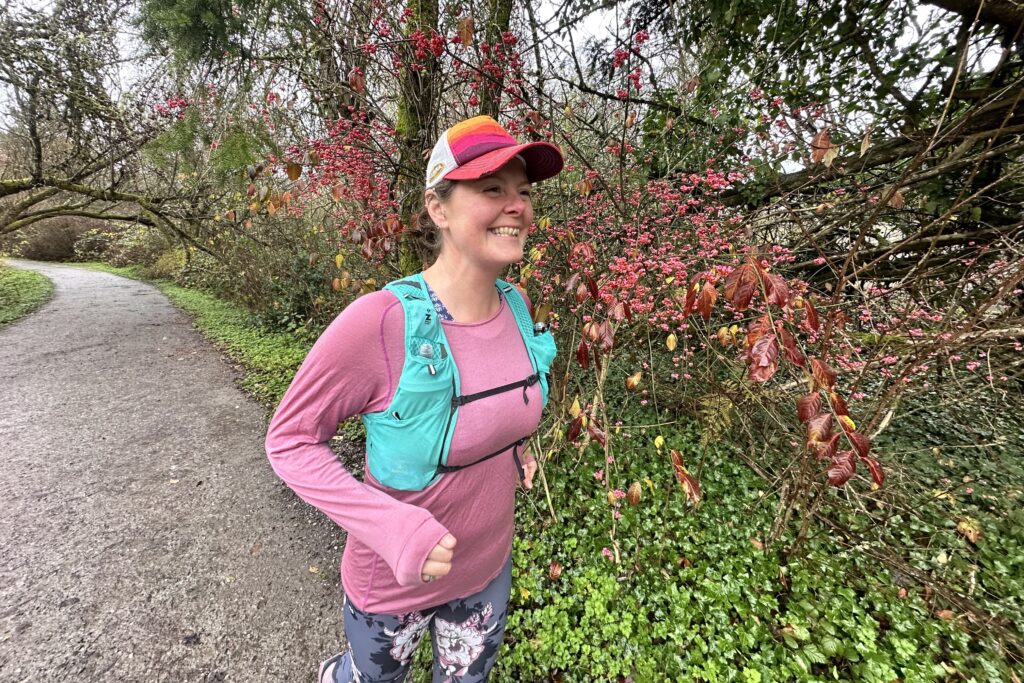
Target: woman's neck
column 467, row 293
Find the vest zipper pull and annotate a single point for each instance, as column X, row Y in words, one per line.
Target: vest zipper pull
column 431, row 370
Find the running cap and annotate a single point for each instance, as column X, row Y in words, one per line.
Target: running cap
column 479, row 146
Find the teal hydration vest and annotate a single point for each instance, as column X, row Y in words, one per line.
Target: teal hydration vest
column 407, row 443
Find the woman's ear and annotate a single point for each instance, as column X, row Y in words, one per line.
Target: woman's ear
column 435, row 209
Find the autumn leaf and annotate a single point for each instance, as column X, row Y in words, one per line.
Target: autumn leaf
column 230, row 215
column 554, row 571
column 336, row 284
column 574, row 429
column 877, row 475
column 838, row 404
column 820, row 145
column 671, row 342
column 843, row 466
column 583, row 251
column 819, row 427
column 585, row 187
column 795, row 356
column 635, row 493
column 865, row 143
column 592, row 287
column 777, row 289
column 808, row 406
column 764, row 358
column 861, row 443
column 293, row 170
column 740, row 286
column 356, row 80
column 689, row 483
column 466, row 32
column 617, row 311
column 596, row 434
column 810, row 321
column 607, row 336
column 824, row 376
column 583, row 355
column 708, row 296
column 690, row 302
column 337, row 192
column 824, row 450
column 969, row 529
column 896, row 201
column 633, row 381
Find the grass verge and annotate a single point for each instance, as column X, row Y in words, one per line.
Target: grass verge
column 21, row 292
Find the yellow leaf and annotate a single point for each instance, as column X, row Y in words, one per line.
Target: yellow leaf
column 313, row 569
column 339, row 260
column 830, row 156
column 848, row 422
column 544, row 223
column 574, row 409
column 523, row 593
column 671, row 342
column 659, row 441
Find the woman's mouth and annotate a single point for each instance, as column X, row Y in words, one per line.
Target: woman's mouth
column 505, row 232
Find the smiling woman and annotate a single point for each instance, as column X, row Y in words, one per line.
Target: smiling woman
column 428, row 362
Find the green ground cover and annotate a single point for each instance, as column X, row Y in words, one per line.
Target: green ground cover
column 697, row 595
column 21, row 292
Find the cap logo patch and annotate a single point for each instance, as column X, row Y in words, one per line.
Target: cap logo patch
column 436, row 172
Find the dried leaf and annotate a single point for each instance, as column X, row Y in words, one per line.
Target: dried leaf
column 824, row 450
column 865, row 143
column 689, row 483
column 596, row 434
column 945, row 614
column 293, row 170
column 842, row 467
column 740, row 286
column 808, row 406
column 969, row 529
column 592, row 331
column 820, row 145
column 671, row 342
column 583, row 252
column 466, row 31
column 831, row 155
column 356, row 80
column 635, row 493
column 585, row 187
column 810, row 321
column 574, row 429
column 554, row 571
column 896, row 201
column 633, row 381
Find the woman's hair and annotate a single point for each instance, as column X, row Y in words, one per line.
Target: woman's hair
column 425, row 235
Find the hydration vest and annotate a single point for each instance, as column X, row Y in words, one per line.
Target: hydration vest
column 407, row 444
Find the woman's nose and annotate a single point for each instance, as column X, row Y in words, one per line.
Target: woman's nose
column 517, row 204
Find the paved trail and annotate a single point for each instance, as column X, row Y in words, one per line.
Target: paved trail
column 144, row 535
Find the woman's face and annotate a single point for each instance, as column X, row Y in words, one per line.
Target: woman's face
column 485, row 222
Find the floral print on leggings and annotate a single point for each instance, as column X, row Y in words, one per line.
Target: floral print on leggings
column 459, row 645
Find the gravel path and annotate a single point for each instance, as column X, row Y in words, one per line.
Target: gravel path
column 144, row 535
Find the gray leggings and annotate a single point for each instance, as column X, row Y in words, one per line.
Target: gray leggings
column 465, row 633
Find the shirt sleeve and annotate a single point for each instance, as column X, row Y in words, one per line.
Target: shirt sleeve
column 347, row 372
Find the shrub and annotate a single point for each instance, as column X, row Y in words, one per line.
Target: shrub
column 50, row 240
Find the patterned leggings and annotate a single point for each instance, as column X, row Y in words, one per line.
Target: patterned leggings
column 465, row 634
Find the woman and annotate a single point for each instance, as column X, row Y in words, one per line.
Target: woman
column 449, row 376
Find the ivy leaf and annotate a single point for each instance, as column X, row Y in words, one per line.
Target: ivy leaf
column 808, row 406
column 843, row 466
column 740, row 286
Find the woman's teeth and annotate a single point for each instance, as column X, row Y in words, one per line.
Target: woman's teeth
column 506, row 232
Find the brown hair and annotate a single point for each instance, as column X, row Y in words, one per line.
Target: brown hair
column 425, row 235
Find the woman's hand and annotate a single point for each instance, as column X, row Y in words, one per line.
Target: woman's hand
column 529, row 469
column 439, row 561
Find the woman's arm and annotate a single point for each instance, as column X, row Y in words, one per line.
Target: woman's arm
column 348, row 372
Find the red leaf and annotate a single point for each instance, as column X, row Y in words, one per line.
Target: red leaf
column 583, row 355
column 691, row 299
column 756, row 329
column 877, row 475
column 592, row 287
column 583, row 252
column 740, row 286
column 574, row 429
column 824, row 449
column 861, row 443
column 581, row 293
column 777, row 289
column 607, row 336
column 819, row 427
column 789, row 346
column 617, row 311
column 596, row 434
column 764, row 358
column 820, row 145
column 808, row 406
column 571, row 283
column 685, row 479
column 708, row 296
column 843, row 465
column 356, row 80
column 824, row 376
column 810, row 321
column 838, row 404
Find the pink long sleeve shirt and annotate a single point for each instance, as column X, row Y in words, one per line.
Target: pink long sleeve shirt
column 354, row 368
